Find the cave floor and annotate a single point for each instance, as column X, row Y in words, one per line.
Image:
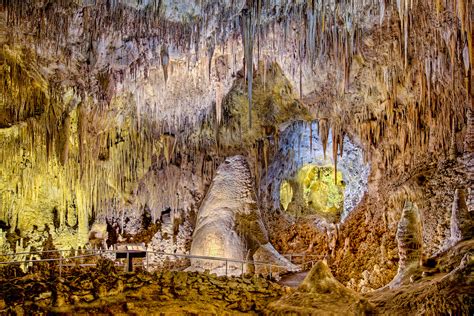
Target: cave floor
column 293, row 280
column 445, row 286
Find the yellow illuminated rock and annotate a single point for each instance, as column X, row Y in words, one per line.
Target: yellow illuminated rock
column 313, row 191
column 286, row 194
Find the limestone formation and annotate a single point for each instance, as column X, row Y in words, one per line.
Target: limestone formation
column 410, row 243
column 98, row 235
column 461, row 218
column 229, row 223
column 120, row 112
column 321, row 294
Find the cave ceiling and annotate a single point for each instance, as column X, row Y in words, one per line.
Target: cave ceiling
column 94, row 93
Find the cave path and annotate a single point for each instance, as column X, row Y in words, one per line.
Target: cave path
column 293, row 280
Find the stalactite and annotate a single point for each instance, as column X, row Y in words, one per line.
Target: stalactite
column 382, row 11
column 165, row 60
column 219, row 96
column 324, row 134
column 257, row 165
column 328, row 34
column 266, row 154
column 210, row 50
column 248, row 30
column 65, row 139
column 221, row 74
column 335, row 149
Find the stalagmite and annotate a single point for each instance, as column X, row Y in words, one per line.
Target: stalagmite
column 229, row 223
column 461, row 219
column 410, row 243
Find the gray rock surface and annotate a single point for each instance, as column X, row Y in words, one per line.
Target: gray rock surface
column 295, row 150
column 461, row 218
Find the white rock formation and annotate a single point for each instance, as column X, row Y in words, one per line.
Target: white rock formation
column 410, row 244
column 461, row 219
column 229, row 223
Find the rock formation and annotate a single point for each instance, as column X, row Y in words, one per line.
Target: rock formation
column 461, row 218
column 98, row 235
column 229, row 223
column 469, row 158
column 410, row 243
column 121, row 111
column 321, row 294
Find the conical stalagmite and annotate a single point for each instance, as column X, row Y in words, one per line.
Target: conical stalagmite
column 461, row 218
column 410, row 243
column 229, row 223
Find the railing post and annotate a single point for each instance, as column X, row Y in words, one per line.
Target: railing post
column 147, row 267
column 242, row 270
column 270, row 270
column 128, row 262
column 226, row 266
column 60, row 264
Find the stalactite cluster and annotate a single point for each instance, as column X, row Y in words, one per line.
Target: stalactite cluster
column 105, row 91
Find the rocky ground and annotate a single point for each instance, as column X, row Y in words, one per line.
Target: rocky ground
column 442, row 285
column 102, row 290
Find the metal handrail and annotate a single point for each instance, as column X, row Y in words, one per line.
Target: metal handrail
column 48, row 251
column 99, row 252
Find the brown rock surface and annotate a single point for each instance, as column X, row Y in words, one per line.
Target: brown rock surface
column 321, row 294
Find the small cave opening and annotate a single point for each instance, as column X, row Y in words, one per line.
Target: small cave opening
column 304, row 180
column 314, row 190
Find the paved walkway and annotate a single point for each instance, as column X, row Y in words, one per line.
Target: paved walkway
column 293, row 280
